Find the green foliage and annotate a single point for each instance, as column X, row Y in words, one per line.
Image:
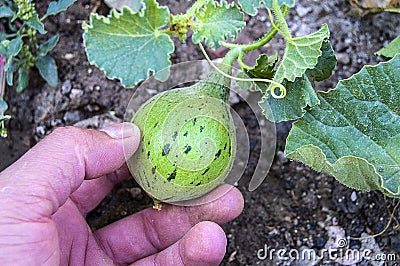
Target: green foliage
column 134, row 5
column 3, row 118
column 325, row 65
column 354, row 134
column 19, row 47
column 136, row 35
column 351, row 132
column 251, row 6
column 299, row 94
column 56, row 7
column 307, row 59
column 19, row 43
column 391, row 49
column 301, row 53
column 48, row 69
column 264, row 68
column 216, row 22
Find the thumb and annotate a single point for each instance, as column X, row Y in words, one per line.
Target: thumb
column 54, row 168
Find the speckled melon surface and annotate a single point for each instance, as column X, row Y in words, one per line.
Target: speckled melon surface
column 188, row 142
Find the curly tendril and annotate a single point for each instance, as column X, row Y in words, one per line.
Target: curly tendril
column 275, row 84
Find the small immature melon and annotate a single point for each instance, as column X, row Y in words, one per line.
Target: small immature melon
column 188, row 142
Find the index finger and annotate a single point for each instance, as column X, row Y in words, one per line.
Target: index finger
column 150, row 231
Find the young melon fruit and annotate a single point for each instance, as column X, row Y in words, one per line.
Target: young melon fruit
column 188, row 141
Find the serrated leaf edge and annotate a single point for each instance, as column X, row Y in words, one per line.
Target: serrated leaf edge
column 227, row 35
column 292, row 155
column 106, row 19
column 320, row 31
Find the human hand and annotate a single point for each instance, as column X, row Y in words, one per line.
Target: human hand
column 45, row 195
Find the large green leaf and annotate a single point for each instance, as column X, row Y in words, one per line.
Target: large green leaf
column 354, row 134
column 134, row 5
column 391, row 49
column 326, row 63
column 299, row 95
column 216, row 22
column 301, row 53
column 56, row 7
column 251, row 6
column 128, row 45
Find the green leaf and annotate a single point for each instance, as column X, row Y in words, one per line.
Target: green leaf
column 299, row 95
column 56, row 7
column 6, row 12
column 216, row 22
column 301, row 53
column 354, row 134
column 128, row 45
column 134, row 5
column 264, row 68
column 23, row 80
column 326, row 63
column 11, row 48
column 391, row 49
column 48, row 69
column 251, row 6
column 46, row 47
column 3, row 107
column 35, row 23
column 10, row 72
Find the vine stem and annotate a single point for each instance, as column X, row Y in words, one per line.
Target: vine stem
column 260, row 42
column 385, row 229
column 280, row 19
column 228, row 61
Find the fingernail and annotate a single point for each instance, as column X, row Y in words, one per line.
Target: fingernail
column 121, row 131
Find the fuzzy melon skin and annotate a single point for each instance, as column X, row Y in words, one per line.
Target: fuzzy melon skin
column 188, row 143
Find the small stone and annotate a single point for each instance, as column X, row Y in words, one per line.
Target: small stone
column 66, row 87
column 56, row 122
column 136, row 193
column 232, row 257
column 75, row 93
column 40, row 130
column 72, row 116
column 282, row 157
column 343, row 58
column 69, row 56
column 151, row 91
column 321, row 224
column 233, row 98
column 303, row 11
column 353, row 196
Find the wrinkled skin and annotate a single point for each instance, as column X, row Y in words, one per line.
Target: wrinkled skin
column 46, row 194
